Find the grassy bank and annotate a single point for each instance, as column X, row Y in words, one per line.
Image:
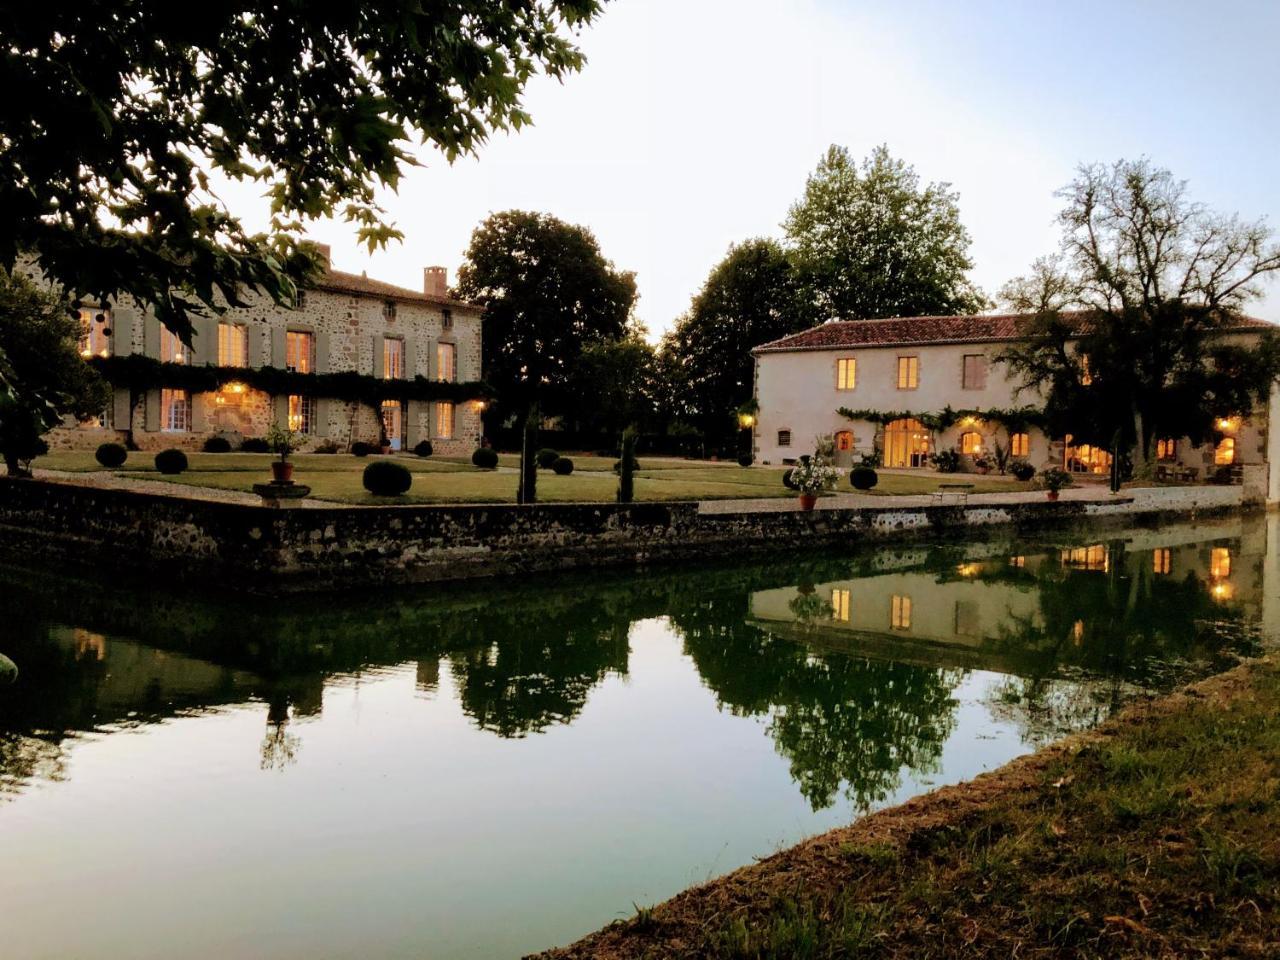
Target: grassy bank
column 1157, row 835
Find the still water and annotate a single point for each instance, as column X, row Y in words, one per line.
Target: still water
column 488, row 770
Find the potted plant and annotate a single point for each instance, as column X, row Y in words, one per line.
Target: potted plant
column 981, row 463
column 1054, row 479
column 811, row 476
column 283, row 442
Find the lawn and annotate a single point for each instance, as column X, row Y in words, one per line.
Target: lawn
column 337, row 477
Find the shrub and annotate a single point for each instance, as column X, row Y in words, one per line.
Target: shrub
column 361, row 449
column 1022, row 470
column 423, row 448
column 563, row 466
column 745, row 460
column 255, row 445
column 627, row 467
column 171, row 461
column 635, row 465
column 863, row 478
column 217, row 445
column 786, row 479
column 946, row 461
column 386, row 478
column 546, row 458
column 486, row 458
column 328, row 446
column 111, row 455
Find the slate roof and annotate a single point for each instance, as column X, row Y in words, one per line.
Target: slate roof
column 339, row 281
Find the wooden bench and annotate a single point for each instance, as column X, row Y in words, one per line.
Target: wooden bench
column 1179, row 473
column 960, row 491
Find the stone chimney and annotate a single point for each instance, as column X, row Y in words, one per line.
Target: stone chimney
column 435, row 281
column 326, row 254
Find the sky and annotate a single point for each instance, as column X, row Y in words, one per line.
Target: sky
column 696, row 122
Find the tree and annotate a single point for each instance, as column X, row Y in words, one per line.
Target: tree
column 548, row 292
column 1160, row 280
column 750, row 297
column 872, row 242
column 618, row 376
column 116, row 113
column 46, row 377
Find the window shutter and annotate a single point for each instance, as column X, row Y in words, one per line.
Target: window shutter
column 379, row 356
column 277, row 348
column 257, row 340
column 323, row 412
column 151, row 338
column 280, row 403
column 151, row 415
column 982, row 373
column 120, row 409
column 122, row 327
column 410, row 357
column 322, row 352
column 413, row 423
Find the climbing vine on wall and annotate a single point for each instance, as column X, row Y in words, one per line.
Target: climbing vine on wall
column 1013, row 419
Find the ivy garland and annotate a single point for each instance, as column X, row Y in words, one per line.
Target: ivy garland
column 1014, row 420
column 139, row 373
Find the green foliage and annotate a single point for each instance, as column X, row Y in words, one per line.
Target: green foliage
column 621, row 378
column 255, row 445
column 945, row 461
column 485, row 458
column 745, row 460
column 112, row 455
column 1054, row 479
column 562, row 467
column 171, row 462
column 423, row 448
column 217, row 445
column 283, row 441
column 21, row 437
column 863, row 478
column 872, row 242
column 548, row 292
column 1016, row 419
column 361, row 449
column 319, row 103
column 546, row 457
column 1021, row 470
column 386, row 478
column 627, row 467
column 788, row 479
column 527, row 489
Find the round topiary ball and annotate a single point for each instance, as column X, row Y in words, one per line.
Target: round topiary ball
column 485, row 458
column 1023, row 471
column 617, row 466
column 361, row 449
column 786, row 479
column 386, row 478
column 423, row 448
column 863, row 478
column 745, row 460
column 562, row 466
column 546, row 458
column 111, row 455
column 171, row 462
column 217, row 445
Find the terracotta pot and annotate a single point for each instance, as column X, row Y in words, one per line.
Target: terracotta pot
column 385, row 448
column 282, row 471
column 807, row 501
column 1051, row 494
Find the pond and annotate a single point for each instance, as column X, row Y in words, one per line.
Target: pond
column 487, row 770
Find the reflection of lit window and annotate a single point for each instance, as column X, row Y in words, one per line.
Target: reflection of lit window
column 1220, row 563
column 846, row 374
column 1077, row 632
column 1020, row 445
column 840, row 605
column 1017, row 561
column 302, row 414
column 1167, row 449
column 1224, row 454
column 1223, row 591
column 900, row 612
column 969, row 569
column 1162, row 560
column 967, row 622
column 1086, row 558
column 971, row 442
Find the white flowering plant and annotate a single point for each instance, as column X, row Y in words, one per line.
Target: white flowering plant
column 814, row 475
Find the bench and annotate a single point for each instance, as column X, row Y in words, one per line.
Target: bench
column 1166, row 471
column 960, row 491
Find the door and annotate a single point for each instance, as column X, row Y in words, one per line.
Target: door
column 393, row 422
column 844, row 448
column 906, row 444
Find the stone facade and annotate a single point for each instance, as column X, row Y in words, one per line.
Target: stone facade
column 346, row 322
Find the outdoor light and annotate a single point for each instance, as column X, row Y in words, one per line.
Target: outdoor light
column 746, row 421
column 969, row 569
column 235, row 387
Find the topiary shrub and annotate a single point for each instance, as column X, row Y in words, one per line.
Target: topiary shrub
column 563, row 466
column 485, row 458
column 423, row 448
column 255, row 445
column 746, row 460
column 328, row 446
column 361, row 449
column 546, row 458
column 111, row 455
column 787, row 481
column 617, row 466
column 863, row 478
column 386, row 478
column 1022, row 470
column 217, row 445
column 171, row 461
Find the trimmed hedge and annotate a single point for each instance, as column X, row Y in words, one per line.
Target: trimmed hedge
column 746, row 460
column 423, row 448
column 786, row 479
column 1022, row 471
column 863, row 478
column 171, row 462
column 386, row 478
column 546, row 458
column 485, row 458
column 361, row 449
column 217, row 445
column 563, row 466
column 111, row 455
column 255, row 445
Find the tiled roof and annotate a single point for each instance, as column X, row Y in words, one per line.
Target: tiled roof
column 340, row 282
column 922, row 331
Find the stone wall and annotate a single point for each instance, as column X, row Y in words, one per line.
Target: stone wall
column 264, row 550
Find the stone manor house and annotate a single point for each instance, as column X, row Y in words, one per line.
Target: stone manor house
column 345, row 323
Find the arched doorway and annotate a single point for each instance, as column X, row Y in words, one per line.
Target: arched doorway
column 843, row 441
column 906, row 443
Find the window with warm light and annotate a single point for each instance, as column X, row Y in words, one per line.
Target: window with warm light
column 1220, row 563
column 175, row 411
column 1224, row 454
column 846, row 373
column 446, row 362
column 908, row 373
column 1086, row 375
column 392, row 358
column 784, row 438
column 172, row 350
column 302, row 414
column 1167, row 449
column 1019, row 561
column 445, row 415
column 900, row 612
column 95, row 332
column 973, row 374
column 300, row 351
column 1162, row 560
column 1020, row 444
column 840, row 605
column 233, row 345
column 1094, row 557
column 971, row 442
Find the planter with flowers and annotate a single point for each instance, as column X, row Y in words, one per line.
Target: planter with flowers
column 811, row 476
column 283, row 442
column 1053, row 480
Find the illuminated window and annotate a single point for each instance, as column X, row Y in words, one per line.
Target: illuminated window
column 445, row 412
column 1020, row 445
column 971, row 442
column 392, row 421
column 233, row 345
column 844, row 440
column 300, row 351
column 1086, row 375
column 846, row 374
column 900, row 612
column 840, row 605
column 172, row 350
column 784, row 438
column 1220, row 563
column 302, row 414
column 974, row 372
column 908, row 373
column 388, row 310
column 446, row 362
column 1167, row 449
column 95, row 332
column 1162, row 560
column 392, row 358
column 1224, row 453
column 175, row 411
column 1087, row 558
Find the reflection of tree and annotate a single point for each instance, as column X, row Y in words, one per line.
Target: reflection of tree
column 837, row 720
column 28, row 758
column 279, row 747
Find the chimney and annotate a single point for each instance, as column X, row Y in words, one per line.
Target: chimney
column 435, row 281
column 325, row 252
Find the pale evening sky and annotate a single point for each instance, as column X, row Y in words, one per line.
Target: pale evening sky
column 696, row 121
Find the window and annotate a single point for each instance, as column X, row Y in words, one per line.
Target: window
column 846, row 374
column 1167, row 449
column 968, row 621
column 302, row 414
column 784, row 438
column 172, row 350
column 446, row 319
column 392, row 358
column 444, row 420
column 906, row 444
column 1220, row 563
column 95, row 332
column 840, row 605
column 1094, row 557
column 971, row 443
column 844, row 441
column 233, row 345
column 446, row 362
column 1020, row 445
column 908, row 373
column 1161, row 560
column 1019, row 561
column 393, row 422
column 1086, row 375
column 175, row 411
column 974, row 373
column 299, row 298
column 388, row 310
column 1224, row 453
column 900, row 612
column 300, row 351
